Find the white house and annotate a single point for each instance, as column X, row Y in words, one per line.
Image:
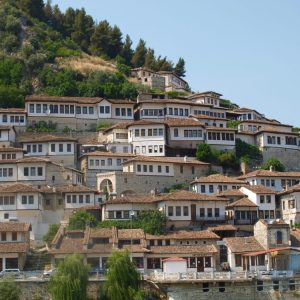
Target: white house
column 215, row 183
column 263, row 197
column 220, row 138
column 13, row 117
column 7, row 135
column 173, row 82
column 147, row 137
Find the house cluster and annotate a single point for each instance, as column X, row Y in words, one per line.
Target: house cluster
column 143, row 149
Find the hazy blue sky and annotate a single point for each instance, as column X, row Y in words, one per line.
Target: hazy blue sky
column 247, row 50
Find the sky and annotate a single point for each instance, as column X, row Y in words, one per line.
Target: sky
column 247, row 50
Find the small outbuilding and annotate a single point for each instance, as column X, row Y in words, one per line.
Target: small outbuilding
column 174, row 265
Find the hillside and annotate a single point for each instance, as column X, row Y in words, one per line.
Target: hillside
column 46, row 51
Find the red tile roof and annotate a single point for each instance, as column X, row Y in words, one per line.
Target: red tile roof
column 244, row 202
column 217, row 178
column 243, row 244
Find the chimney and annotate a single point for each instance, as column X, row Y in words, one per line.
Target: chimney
column 271, row 168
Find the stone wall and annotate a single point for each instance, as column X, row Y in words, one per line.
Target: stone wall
column 289, row 157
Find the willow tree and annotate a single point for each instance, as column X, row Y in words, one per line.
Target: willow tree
column 70, row 281
column 122, row 278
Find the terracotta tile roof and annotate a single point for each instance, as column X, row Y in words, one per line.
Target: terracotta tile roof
column 290, row 190
column 223, row 227
column 259, row 189
column 102, row 232
column 230, row 192
column 33, row 160
column 75, row 189
column 12, row 110
column 203, row 249
column 14, row 247
column 39, row 138
column 202, row 117
column 11, row 149
column 243, row 244
column 121, row 125
column 109, row 154
column 268, row 173
column 79, row 100
column 132, row 199
column 144, row 123
column 100, row 248
column 215, row 128
column 131, row 233
column 217, row 178
column 18, row 188
column 174, row 160
column 183, row 195
column 194, row 95
column 182, row 234
column 184, row 122
column 14, row 227
column 135, row 248
column 5, row 127
column 269, row 122
column 273, row 130
column 274, row 223
column 67, row 245
column 244, row 202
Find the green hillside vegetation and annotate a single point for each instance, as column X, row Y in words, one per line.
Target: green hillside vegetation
column 46, row 51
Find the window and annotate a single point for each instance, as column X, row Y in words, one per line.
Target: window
column 14, row 236
column 52, row 147
column 238, row 260
column 3, row 236
column 40, row 171
column 61, row 148
column 136, row 132
column 74, row 200
column 262, row 199
column 145, row 168
column 178, row 211
column 202, row 212
column 40, row 148
column 31, row 108
column 151, row 169
column 119, row 162
column 217, row 212
column 139, row 168
column 109, row 162
column 30, row 199
column 185, row 211
column 205, row 287
column 24, row 200
column 279, row 237
column 102, row 162
column 268, row 199
column 69, row 147
column 209, row 212
column 68, row 198
column 118, row 112
column 129, row 112
column 167, row 169
column 26, row 171
column 91, row 110
column 32, row 171
column 202, row 187
column 211, row 188
column 87, row 199
column 170, row 211
column 143, row 132
column 78, row 110
column 159, row 169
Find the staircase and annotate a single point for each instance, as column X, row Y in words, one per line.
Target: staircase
column 37, row 261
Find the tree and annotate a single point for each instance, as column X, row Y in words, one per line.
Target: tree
column 275, row 164
column 152, row 222
column 80, row 219
column 243, row 149
column 100, row 40
column 49, row 236
column 34, row 8
column 205, row 153
column 115, row 44
column 71, row 279
column 126, row 51
column 9, row 290
column 228, row 160
column 150, row 60
column 122, row 278
column 180, row 67
column 138, row 58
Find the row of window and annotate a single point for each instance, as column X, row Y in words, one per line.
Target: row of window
column 150, row 148
column 74, row 199
column 33, row 171
column 189, row 133
column 27, row 199
column 150, row 169
column 245, row 215
column 178, row 111
column 220, row 136
column 149, row 132
column 120, row 214
column 220, row 188
column 152, row 112
column 276, row 140
column 103, row 162
column 13, row 119
column 6, row 172
column 178, row 211
column 121, row 135
column 7, row 200
column 7, row 156
column 209, row 113
column 60, row 147
column 123, row 112
column 14, row 236
column 264, row 199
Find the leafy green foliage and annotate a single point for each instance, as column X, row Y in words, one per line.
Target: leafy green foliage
column 80, row 219
column 122, row 278
column 180, row 67
column 152, row 222
column 42, row 126
column 205, row 153
column 275, row 163
column 233, row 123
column 228, row 104
column 9, row 290
column 176, row 187
column 228, row 160
column 244, row 149
column 49, row 236
column 71, row 279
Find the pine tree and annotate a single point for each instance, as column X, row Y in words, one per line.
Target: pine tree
column 69, row 20
column 100, row 40
column 127, row 51
column 162, row 64
column 34, row 8
column 180, row 67
column 150, row 61
column 116, row 44
column 138, row 58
